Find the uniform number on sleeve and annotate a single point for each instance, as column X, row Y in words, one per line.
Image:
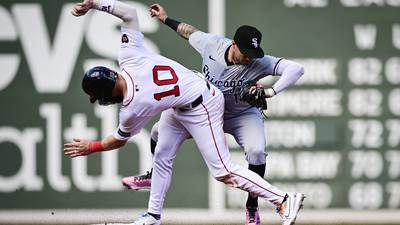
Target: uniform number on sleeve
column 173, row 80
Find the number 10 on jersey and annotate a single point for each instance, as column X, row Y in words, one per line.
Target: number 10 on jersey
column 174, row 91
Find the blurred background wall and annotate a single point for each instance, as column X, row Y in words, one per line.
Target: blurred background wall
column 334, row 136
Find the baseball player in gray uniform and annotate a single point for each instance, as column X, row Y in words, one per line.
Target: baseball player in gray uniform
column 228, row 64
column 148, row 84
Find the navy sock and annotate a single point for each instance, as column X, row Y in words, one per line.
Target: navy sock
column 260, row 170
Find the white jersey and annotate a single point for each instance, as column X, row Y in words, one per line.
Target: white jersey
column 155, row 83
column 229, row 78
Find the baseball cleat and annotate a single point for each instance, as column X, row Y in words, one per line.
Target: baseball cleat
column 141, row 182
column 290, row 207
column 146, row 219
column 252, row 216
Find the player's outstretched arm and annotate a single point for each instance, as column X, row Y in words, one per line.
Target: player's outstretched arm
column 183, row 29
column 289, row 72
column 119, row 9
column 82, row 147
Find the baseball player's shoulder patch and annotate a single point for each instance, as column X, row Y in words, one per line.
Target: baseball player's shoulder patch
column 124, row 38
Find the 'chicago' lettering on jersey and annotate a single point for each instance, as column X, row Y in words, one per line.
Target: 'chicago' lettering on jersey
column 232, row 85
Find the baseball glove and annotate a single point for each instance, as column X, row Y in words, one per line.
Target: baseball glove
column 254, row 95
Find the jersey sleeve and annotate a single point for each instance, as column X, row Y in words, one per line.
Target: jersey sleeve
column 270, row 64
column 131, row 38
column 126, row 12
column 199, row 40
column 289, row 72
column 129, row 127
column 131, row 47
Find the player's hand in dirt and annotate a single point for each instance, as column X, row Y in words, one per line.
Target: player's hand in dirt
column 156, row 10
column 82, row 8
column 79, row 147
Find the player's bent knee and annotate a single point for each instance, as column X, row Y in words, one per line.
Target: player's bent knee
column 256, row 157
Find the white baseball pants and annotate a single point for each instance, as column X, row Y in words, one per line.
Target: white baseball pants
column 205, row 124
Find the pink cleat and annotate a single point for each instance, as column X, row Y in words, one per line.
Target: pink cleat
column 142, row 182
column 252, row 216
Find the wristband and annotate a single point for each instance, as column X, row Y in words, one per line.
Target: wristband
column 172, row 23
column 95, row 146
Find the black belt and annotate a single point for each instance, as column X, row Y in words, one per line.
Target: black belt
column 196, row 102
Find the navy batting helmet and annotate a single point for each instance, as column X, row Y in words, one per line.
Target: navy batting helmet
column 99, row 83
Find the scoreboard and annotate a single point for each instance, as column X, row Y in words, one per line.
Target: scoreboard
column 336, row 135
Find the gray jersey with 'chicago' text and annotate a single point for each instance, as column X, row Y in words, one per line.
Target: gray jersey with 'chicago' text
column 229, row 78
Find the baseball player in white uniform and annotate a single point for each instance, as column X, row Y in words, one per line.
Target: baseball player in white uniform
column 228, row 64
column 149, row 84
